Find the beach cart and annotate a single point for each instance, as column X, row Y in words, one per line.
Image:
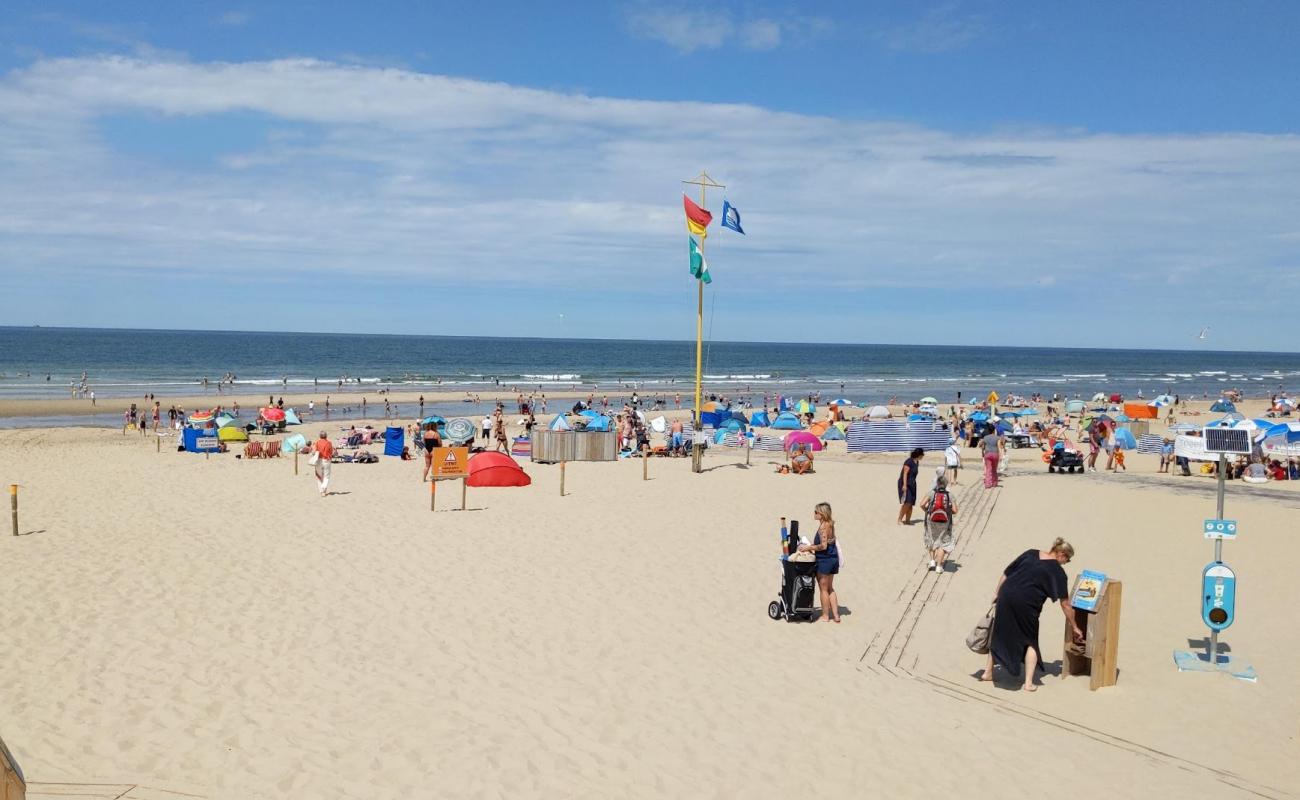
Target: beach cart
column 798, row 591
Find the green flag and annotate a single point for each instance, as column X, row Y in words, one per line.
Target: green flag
column 699, row 267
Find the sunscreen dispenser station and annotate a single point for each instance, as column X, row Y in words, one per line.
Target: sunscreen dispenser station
column 1218, row 595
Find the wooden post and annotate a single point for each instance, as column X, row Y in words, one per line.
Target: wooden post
column 295, row 461
column 433, row 493
column 13, row 504
column 463, row 492
column 562, row 463
column 645, row 463
column 748, row 447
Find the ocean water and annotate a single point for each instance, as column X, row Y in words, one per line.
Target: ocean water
column 132, row 363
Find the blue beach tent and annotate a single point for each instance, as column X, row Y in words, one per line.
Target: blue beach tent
column 291, row 417
column 786, row 421
column 394, row 440
column 737, row 415
column 597, row 423
column 833, row 434
column 559, row 424
column 1223, row 406
column 759, row 419
column 710, row 419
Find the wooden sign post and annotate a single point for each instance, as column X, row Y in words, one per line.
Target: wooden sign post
column 645, row 463
column 562, row 463
column 464, row 482
column 1098, row 656
column 448, row 463
column 295, row 461
column 13, row 504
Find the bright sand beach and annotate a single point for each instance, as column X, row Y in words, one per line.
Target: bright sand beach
column 216, row 627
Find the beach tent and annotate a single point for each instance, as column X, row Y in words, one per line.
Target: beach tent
column 804, row 407
column 710, row 419
column 291, row 417
column 495, row 469
column 1099, row 397
column 597, row 424
column 559, row 424
column 759, row 419
column 1141, row 411
column 878, row 412
column 1028, row 412
column 801, row 437
column 818, row 428
column 833, row 434
column 224, row 419
column 394, row 440
column 929, row 408
column 918, row 418
column 1125, row 439
column 1223, row 406
column 787, row 421
column 784, row 405
column 232, row 433
column 190, row 439
column 731, row 425
column 293, row 444
column 1074, row 407
column 929, row 401
column 1162, row 401
column 1116, row 397
column 737, row 415
column 587, row 412
column 658, row 424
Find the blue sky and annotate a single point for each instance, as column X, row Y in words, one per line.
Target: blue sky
column 1049, row 173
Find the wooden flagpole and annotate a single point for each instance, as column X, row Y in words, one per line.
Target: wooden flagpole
column 697, row 452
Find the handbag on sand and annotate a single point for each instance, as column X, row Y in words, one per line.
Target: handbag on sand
column 978, row 639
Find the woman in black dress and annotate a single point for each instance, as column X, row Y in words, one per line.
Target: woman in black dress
column 907, row 486
column 1027, row 583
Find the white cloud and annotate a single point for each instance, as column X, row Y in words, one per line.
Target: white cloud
column 688, row 30
column 940, row 29
column 365, row 172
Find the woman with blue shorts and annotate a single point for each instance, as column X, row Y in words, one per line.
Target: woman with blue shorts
column 827, row 551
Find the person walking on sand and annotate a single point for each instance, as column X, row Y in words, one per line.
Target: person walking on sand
column 827, row 550
column 952, row 460
column 940, row 511
column 1035, row 577
column 499, row 429
column 907, row 486
column 992, row 445
column 322, row 453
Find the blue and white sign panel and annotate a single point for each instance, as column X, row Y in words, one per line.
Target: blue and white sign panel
column 1218, row 596
column 1220, row 529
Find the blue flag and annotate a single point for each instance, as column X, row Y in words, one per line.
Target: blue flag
column 731, row 217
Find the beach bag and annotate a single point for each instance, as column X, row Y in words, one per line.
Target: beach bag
column 314, row 459
column 980, row 636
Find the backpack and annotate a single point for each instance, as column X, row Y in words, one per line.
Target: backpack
column 940, row 508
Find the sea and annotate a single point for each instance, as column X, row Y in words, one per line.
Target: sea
column 126, row 365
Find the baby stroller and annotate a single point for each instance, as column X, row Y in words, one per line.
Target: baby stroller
column 1062, row 460
column 798, row 591
column 798, row 581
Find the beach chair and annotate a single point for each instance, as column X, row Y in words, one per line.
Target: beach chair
column 273, row 449
column 253, row 450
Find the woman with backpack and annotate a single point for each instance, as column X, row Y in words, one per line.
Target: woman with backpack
column 939, row 513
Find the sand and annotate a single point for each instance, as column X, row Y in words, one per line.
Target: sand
column 214, row 626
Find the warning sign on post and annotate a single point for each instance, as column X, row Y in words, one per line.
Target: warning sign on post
column 450, row 462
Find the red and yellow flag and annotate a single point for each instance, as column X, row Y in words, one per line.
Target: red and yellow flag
column 697, row 219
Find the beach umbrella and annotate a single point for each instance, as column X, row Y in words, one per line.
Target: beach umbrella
column 878, row 412
column 710, row 406
column 932, row 401
column 1286, row 433
column 801, row 437
column 929, row 409
column 1124, row 438
column 841, row 402
column 201, row 417
column 1008, row 412
column 433, row 419
column 273, row 414
column 1122, row 417
column 658, row 424
column 979, row 416
column 460, row 429
column 1028, row 412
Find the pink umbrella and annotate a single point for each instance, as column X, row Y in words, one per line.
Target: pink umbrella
column 273, row 414
column 802, row 437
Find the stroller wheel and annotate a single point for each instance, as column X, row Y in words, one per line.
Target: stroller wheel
column 774, row 609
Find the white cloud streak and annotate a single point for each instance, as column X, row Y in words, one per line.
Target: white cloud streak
column 363, row 171
column 688, row 30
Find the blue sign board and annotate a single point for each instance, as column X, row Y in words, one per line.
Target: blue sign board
column 1218, row 595
column 1220, row 529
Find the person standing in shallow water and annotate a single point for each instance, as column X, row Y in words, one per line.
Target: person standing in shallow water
column 907, row 486
column 1035, row 577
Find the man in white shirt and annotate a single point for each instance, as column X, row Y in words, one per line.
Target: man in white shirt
column 952, row 459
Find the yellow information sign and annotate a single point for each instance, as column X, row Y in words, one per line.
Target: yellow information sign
column 450, row 462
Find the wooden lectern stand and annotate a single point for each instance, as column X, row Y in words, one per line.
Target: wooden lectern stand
column 14, row 786
column 1098, row 655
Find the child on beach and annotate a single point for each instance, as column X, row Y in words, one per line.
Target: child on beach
column 1119, row 459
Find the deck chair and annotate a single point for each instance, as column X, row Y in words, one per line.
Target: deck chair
column 253, row 450
column 273, row 449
